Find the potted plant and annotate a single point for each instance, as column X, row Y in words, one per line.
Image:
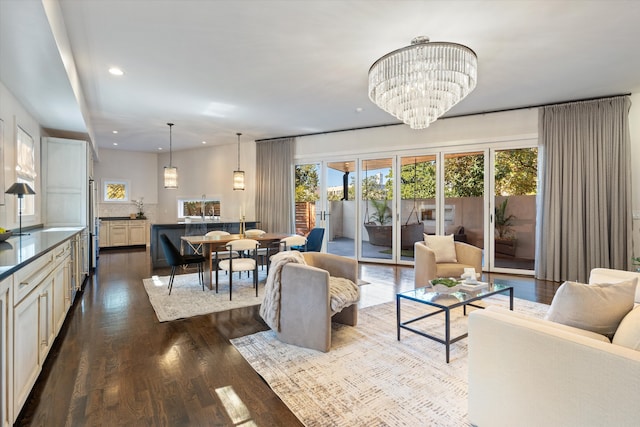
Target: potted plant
column 380, row 234
column 636, row 262
column 505, row 240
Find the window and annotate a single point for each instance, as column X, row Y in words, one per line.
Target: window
column 116, row 190
column 26, row 168
column 194, row 207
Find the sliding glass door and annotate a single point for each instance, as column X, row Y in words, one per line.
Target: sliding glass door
column 376, row 205
column 418, row 188
column 514, row 200
column 340, row 208
column 375, row 209
column 325, row 198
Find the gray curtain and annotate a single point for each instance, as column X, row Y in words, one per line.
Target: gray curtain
column 584, row 205
column 274, row 189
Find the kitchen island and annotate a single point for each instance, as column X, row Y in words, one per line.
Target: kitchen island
column 176, row 230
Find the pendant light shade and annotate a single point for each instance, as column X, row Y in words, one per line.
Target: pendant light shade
column 238, row 175
column 170, row 172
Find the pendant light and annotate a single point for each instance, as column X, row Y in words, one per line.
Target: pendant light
column 238, row 175
column 170, row 172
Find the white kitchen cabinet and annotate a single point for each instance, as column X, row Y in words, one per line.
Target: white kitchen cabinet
column 41, row 300
column 118, row 233
column 123, row 233
column 61, row 287
column 137, row 233
column 66, row 182
column 6, row 349
column 104, row 234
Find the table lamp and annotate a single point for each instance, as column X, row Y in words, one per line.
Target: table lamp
column 20, row 189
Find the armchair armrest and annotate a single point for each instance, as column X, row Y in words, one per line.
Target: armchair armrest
column 425, row 264
column 337, row 266
column 470, row 255
column 305, row 311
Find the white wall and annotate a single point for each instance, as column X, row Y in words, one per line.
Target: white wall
column 139, row 169
column 13, row 114
column 469, row 130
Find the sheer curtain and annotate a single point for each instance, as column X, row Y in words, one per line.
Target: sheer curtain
column 584, row 210
column 274, row 185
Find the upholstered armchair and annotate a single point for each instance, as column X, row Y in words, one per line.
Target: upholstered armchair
column 426, row 267
column 305, row 300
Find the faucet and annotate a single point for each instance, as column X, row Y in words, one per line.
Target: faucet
column 203, row 215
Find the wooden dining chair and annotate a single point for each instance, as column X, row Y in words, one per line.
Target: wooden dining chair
column 247, row 263
column 219, row 255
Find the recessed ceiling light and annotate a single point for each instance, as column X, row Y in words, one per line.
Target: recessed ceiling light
column 116, row 71
column 204, row 142
column 114, row 131
column 160, row 148
column 115, row 143
column 359, row 110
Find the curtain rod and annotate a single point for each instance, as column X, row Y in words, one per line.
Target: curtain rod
column 444, row 118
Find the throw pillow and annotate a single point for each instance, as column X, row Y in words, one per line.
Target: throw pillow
column 596, row 307
column 443, row 246
column 628, row 333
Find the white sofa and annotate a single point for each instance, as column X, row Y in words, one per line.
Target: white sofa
column 532, row 372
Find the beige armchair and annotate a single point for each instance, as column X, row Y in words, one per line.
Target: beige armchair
column 305, row 301
column 426, row 268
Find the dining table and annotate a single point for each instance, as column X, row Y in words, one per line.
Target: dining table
column 206, row 245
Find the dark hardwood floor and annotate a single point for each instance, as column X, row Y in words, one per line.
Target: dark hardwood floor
column 114, row 364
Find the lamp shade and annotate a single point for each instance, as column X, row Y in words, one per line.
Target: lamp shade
column 20, row 189
column 238, row 175
column 170, row 177
column 238, row 180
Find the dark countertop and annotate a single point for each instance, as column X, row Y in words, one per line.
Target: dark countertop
column 18, row 251
column 121, row 218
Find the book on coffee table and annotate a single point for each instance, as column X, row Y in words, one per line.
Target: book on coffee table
column 473, row 286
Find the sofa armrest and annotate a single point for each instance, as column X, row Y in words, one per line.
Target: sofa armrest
column 336, row 265
column 609, row 275
column 528, row 372
column 425, row 264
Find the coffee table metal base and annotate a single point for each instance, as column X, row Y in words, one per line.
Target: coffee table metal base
column 446, row 309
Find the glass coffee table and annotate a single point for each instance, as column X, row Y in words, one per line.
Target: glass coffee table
column 444, row 302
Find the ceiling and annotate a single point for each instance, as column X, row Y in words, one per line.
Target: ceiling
column 281, row 68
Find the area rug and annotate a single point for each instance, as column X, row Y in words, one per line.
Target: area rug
column 187, row 298
column 369, row 378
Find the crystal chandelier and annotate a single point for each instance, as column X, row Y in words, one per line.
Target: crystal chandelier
column 419, row 83
column 170, row 172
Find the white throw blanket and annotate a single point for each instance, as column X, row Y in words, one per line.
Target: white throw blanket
column 270, row 308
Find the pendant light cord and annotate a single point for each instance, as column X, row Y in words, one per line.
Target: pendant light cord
column 238, row 150
column 170, row 151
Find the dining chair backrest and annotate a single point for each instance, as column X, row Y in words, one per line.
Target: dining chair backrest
column 314, row 240
column 293, row 241
column 171, row 253
column 217, row 233
column 243, row 245
column 254, row 232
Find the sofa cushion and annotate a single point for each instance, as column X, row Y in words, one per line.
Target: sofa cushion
column 596, row 307
column 443, row 246
column 628, row 333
